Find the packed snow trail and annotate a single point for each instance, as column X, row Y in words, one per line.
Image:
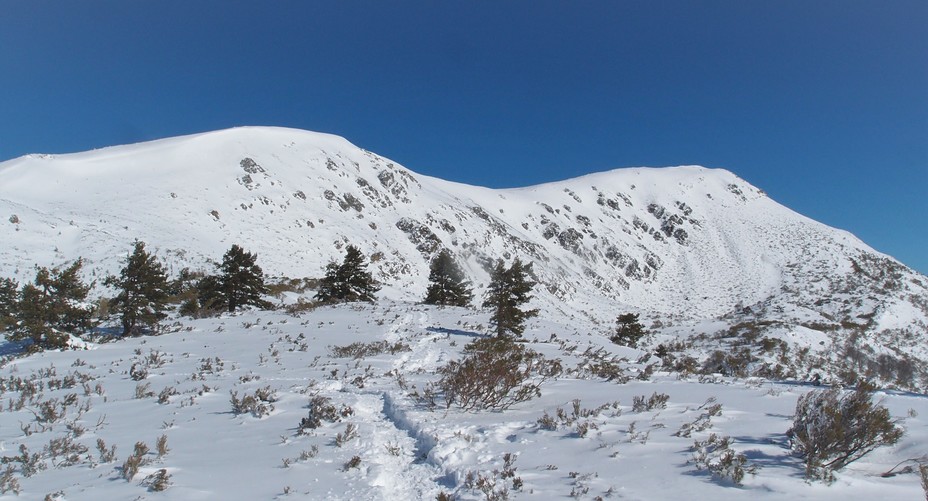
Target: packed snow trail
column 391, row 455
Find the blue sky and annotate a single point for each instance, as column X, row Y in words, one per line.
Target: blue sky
column 822, row 104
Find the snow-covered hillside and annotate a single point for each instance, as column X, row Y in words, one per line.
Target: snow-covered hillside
column 746, row 303
column 682, row 245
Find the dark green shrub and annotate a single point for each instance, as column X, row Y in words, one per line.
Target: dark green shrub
column 142, row 295
column 628, row 330
column 509, row 289
column 447, row 283
column 347, row 282
column 52, row 307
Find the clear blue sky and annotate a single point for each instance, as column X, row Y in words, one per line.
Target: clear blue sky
column 823, row 104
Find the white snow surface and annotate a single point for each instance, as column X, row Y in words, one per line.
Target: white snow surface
column 405, row 450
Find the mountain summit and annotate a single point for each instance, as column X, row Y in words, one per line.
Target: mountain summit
column 682, row 245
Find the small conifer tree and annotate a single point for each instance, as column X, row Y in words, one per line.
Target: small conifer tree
column 240, row 281
column 52, row 307
column 509, row 289
column 349, row 281
column 628, row 330
column 9, row 291
column 447, row 286
column 143, row 295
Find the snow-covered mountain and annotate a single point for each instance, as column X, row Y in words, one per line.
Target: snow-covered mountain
column 730, row 284
column 695, row 250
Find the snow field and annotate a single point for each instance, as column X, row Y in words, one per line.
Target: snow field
column 599, row 446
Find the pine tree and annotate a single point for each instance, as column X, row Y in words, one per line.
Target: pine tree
column 349, row 281
column 9, row 291
column 143, row 295
column 509, row 289
column 628, row 330
column 240, row 281
column 209, row 298
column 331, row 290
column 52, row 307
column 447, row 286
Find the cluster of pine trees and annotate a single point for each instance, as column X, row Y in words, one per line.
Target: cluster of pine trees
column 509, row 288
column 44, row 314
column 47, row 310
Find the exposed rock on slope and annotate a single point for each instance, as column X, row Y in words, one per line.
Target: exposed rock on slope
column 683, row 244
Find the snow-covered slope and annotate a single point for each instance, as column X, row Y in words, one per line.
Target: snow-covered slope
column 583, row 438
column 681, row 244
column 729, row 283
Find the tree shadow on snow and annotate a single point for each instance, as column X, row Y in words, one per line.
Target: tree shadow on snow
column 787, row 463
column 788, row 417
column 11, row 348
column 103, row 334
column 784, row 460
column 693, row 472
column 455, row 332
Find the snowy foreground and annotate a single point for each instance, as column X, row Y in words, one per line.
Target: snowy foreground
column 402, row 450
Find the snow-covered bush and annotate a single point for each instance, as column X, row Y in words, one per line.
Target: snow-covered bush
column 495, row 373
column 321, row 409
column 716, row 455
column 64, row 451
column 833, row 428
column 130, row 467
column 641, row 403
column 106, row 455
column 350, row 433
column 158, row 481
column 259, row 404
column 29, row 464
column 703, row 421
column 8, row 481
column 562, row 418
column 493, row 484
column 923, row 471
column 602, row 364
column 354, row 462
column 360, row 350
column 162, row 446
